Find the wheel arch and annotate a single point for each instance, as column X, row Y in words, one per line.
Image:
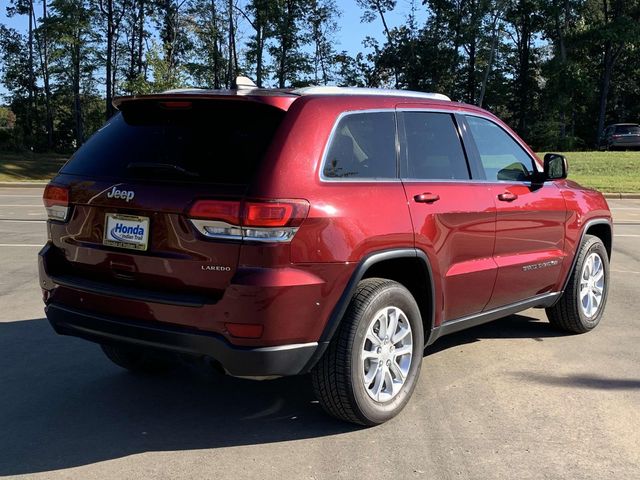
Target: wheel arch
column 599, row 227
column 408, row 266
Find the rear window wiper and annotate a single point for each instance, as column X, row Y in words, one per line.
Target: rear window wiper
column 161, row 166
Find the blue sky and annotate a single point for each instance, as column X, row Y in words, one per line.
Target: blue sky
column 349, row 37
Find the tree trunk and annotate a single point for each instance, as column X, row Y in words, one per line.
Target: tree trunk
column 485, row 77
column 77, row 104
column 43, row 48
column 109, row 66
column 609, row 61
column 32, row 82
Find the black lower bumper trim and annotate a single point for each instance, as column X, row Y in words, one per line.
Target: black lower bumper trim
column 238, row 361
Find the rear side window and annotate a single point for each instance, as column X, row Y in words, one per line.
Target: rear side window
column 628, row 130
column 217, row 142
column 363, row 145
column 501, row 156
column 433, row 148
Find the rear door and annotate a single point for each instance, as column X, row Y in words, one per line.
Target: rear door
column 530, row 216
column 453, row 216
column 132, row 184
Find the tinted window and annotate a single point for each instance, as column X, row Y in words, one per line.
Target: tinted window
column 628, row 130
column 363, row 145
column 213, row 142
column 433, row 147
column 502, row 158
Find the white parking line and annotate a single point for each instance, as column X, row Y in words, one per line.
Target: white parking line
column 9, row 220
column 616, row 235
column 35, row 196
column 625, row 271
column 21, row 245
column 17, row 205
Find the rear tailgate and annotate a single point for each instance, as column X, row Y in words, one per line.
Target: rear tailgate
column 139, row 175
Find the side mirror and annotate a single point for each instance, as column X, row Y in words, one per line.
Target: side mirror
column 555, row 166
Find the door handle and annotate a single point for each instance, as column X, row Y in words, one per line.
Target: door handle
column 507, row 197
column 427, row 197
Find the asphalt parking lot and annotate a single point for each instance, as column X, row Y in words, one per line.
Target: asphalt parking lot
column 511, row 399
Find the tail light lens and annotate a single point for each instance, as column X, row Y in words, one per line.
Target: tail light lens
column 56, row 202
column 262, row 221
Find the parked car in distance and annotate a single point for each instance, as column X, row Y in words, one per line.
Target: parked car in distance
column 327, row 231
column 620, row 136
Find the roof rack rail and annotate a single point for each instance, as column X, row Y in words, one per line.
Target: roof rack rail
column 183, row 90
column 328, row 90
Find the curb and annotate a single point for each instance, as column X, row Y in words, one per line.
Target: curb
column 39, row 184
column 622, row 196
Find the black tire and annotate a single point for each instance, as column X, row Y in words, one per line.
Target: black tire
column 567, row 314
column 137, row 359
column 338, row 378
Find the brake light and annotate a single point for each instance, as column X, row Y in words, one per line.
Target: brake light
column 223, row 210
column 176, row 105
column 56, row 202
column 268, row 221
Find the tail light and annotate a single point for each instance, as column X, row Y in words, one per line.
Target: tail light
column 260, row 221
column 56, row 202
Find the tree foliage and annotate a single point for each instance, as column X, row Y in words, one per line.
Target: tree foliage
column 556, row 70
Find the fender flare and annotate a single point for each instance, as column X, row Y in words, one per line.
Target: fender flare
column 341, row 306
column 587, row 225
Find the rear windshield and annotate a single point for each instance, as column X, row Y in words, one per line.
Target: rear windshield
column 628, row 130
column 218, row 142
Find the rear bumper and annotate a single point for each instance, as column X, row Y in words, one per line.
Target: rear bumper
column 239, row 361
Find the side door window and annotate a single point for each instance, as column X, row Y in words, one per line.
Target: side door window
column 363, row 145
column 433, row 150
column 502, row 158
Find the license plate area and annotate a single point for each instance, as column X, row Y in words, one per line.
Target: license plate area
column 126, row 231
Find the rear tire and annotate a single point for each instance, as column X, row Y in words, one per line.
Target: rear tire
column 137, row 359
column 582, row 305
column 372, row 364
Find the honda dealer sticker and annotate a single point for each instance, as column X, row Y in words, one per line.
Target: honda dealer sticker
column 126, row 231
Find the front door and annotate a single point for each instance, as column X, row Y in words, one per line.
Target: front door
column 530, row 216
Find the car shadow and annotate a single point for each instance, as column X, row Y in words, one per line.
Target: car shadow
column 63, row 404
column 513, row 326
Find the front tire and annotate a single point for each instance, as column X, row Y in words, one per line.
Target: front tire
column 372, row 364
column 582, row 305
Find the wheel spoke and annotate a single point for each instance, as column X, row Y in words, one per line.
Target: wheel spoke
column 379, row 382
column 388, row 382
column 404, row 350
column 397, row 371
column 382, row 322
column 392, row 316
column 373, row 338
column 371, row 374
column 370, row 355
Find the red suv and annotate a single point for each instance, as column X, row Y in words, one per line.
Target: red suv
column 324, row 230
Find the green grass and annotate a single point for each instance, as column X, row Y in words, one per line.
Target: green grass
column 23, row 167
column 610, row 172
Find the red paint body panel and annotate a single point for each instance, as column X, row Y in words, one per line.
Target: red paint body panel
column 529, row 231
column 458, row 233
